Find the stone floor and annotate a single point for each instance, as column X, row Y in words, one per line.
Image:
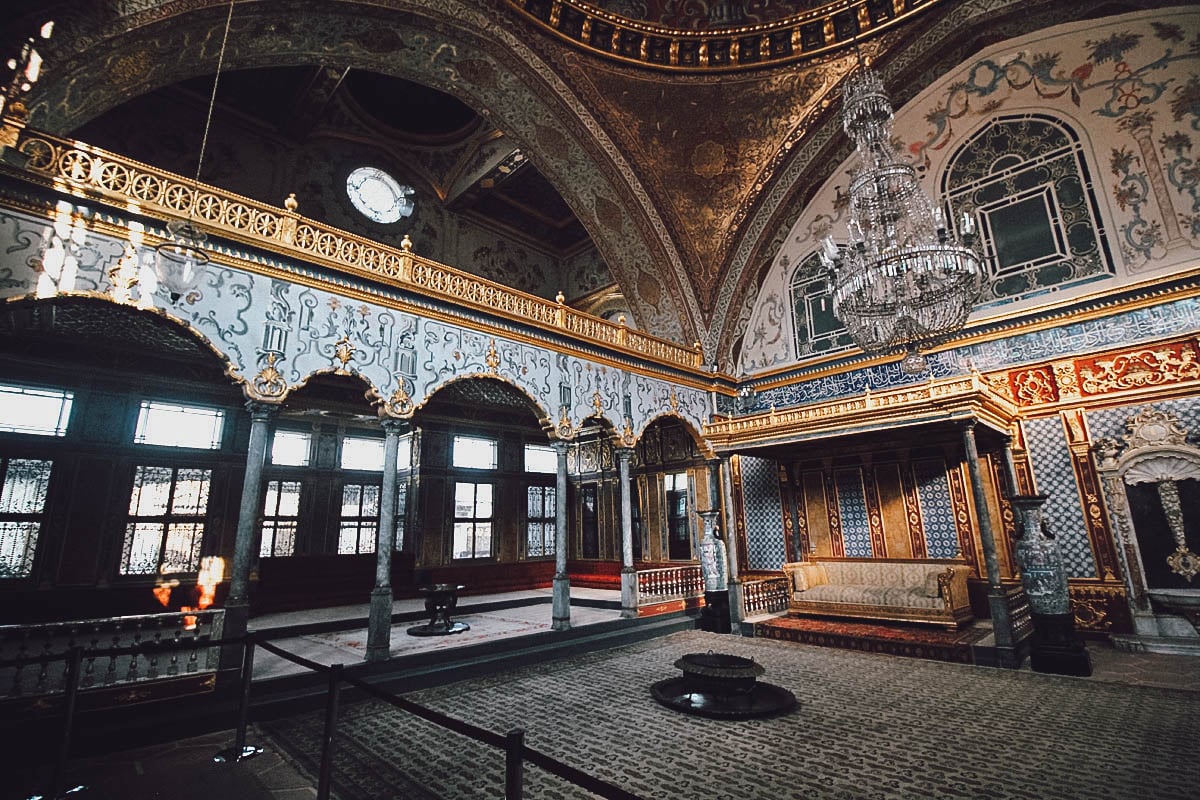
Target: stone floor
column 889, row 727
column 349, row 646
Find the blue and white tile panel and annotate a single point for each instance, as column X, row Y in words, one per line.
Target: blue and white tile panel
column 764, row 514
column 937, row 512
column 852, row 505
column 1055, row 477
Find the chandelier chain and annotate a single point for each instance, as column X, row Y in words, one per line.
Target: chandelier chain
column 212, row 98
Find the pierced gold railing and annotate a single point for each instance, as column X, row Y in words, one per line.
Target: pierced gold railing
column 831, row 25
column 89, row 171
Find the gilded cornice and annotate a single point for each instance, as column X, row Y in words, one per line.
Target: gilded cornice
column 1149, row 372
column 955, row 399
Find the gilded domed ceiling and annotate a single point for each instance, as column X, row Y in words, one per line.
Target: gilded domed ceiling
column 681, row 139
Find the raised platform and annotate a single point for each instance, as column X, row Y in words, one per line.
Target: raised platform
column 915, row 641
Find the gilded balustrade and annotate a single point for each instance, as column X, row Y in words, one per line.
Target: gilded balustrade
column 84, row 170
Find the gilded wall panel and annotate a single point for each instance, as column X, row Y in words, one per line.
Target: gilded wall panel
column 815, row 514
column 893, row 510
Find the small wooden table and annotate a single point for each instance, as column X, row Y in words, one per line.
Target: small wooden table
column 440, row 600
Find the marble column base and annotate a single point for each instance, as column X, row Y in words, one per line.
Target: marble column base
column 735, row 603
column 379, row 625
column 560, row 619
column 628, row 593
column 714, row 617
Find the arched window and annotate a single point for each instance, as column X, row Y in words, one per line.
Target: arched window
column 1025, row 181
column 817, row 330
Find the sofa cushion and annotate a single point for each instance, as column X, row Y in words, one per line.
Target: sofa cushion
column 814, row 575
column 799, row 583
column 890, row 596
column 931, row 587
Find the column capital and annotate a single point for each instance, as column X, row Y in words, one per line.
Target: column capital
column 968, row 425
column 260, row 411
column 392, row 425
column 560, row 446
column 623, row 453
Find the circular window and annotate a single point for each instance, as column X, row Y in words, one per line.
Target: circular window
column 377, row 195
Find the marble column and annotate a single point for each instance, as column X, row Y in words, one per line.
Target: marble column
column 735, row 584
column 628, row 573
column 561, row 609
column 997, row 601
column 379, row 621
column 1009, row 469
column 237, row 604
column 414, row 528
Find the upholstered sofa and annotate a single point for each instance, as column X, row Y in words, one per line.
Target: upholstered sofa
column 908, row 590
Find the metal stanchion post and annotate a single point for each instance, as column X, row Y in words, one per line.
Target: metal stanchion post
column 331, row 712
column 71, row 693
column 514, row 764
column 240, row 750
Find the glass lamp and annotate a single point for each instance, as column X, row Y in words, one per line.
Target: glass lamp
column 179, row 262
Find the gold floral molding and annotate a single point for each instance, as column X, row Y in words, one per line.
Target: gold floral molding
column 85, row 171
column 343, row 352
column 1164, row 366
column 400, row 405
column 269, row 383
column 828, row 26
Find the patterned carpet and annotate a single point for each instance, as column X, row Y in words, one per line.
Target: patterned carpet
column 868, row 726
column 915, row 641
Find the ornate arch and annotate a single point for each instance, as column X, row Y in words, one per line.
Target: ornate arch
column 42, row 311
column 545, row 420
column 702, row 444
column 1027, row 173
column 99, row 61
column 370, row 391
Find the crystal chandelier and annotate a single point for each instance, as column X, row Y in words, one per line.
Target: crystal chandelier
column 902, row 282
column 180, row 260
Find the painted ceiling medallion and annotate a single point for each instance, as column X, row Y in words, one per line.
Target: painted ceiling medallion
column 708, row 159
